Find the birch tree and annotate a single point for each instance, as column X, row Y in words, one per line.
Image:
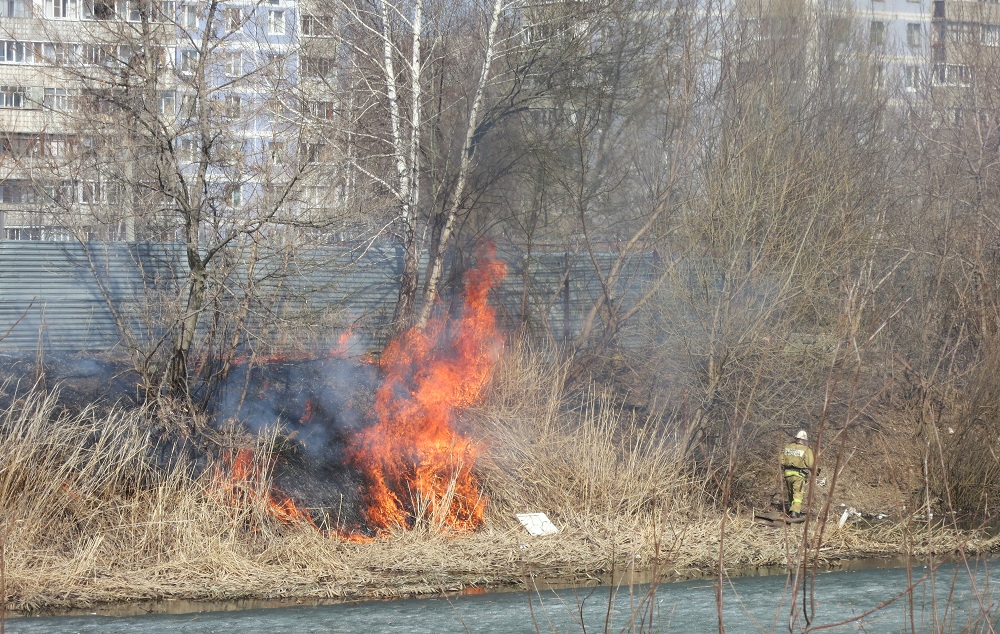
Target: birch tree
column 435, row 79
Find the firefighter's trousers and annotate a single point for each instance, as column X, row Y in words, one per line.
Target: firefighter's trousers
column 795, row 486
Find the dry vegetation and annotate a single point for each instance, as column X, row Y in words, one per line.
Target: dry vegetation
column 99, row 508
column 772, row 252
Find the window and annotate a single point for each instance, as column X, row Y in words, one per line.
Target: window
column 232, row 107
column 162, row 55
column 98, row 9
column 227, row 152
column 317, row 67
column 321, row 109
column 12, row 192
column 166, row 102
column 90, row 192
column 15, row 8
column 913, row 34
column 13, row 97
column 188, row 150
column 952, row 75
column 134, row 10
column 276, row 22
column 911, row 77
column 961, row 32
column 277, row 152
column 22, row 233
column 311, row 152
column 990, row 35
column 99, row 54
column 317, row 195
column 56, row 53
column 166, row 11
column 55, row 147
column 12, row 52
column 64, row 192
column 235, row 195
column 59, row 99
column 234, row 64
column 877, row 33
column 317, row 25
column 275, row 110
column 233, row 19
column 189, row 16
column 100, row 101
column 189, row 61
column 60, row 9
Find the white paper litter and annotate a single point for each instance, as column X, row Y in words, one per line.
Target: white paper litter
column 537, row 524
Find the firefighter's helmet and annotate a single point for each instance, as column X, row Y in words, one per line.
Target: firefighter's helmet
column 802, row 435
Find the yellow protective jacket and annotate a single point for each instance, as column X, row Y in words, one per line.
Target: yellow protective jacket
column 797, row 457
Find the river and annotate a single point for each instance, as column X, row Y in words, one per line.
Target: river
column 951, row 598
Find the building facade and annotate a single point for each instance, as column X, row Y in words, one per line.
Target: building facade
column 117, row 117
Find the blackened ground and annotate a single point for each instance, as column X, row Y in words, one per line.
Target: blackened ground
column 315, row 406
column 330, row 493
column 82, row 380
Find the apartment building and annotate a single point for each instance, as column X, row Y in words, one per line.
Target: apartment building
column 965, row 45
column 935, row 45
column 115, row 112
column 900, row 30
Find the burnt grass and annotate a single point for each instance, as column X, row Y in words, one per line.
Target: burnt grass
column 313, row 407
column 310, row 410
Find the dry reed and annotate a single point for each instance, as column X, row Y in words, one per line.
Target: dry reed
column 94, row 508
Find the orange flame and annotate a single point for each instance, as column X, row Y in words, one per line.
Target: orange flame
column 343, row 345
column 245, row 484
column 307, row 416
column 418, row 468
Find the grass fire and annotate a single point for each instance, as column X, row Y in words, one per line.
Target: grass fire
column 345, row 474
column 415, row 467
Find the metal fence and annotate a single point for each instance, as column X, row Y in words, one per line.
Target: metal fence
column 78, row 297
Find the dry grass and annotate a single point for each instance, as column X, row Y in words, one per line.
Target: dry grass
column 93, row 509
column 576, row 457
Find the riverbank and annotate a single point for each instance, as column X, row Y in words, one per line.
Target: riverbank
column 302, row 566
column 146, row 506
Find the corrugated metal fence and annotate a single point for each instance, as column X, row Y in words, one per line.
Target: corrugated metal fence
column 80, row 297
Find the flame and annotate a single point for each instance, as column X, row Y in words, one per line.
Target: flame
column 244, row 484
column 343, row 345
column 417, row 467
column 307, row 416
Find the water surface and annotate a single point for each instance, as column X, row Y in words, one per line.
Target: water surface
column 951, row 599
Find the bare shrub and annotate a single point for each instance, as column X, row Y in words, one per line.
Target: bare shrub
column 962, row 442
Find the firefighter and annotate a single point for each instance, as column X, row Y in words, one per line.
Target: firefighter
column 796, row 466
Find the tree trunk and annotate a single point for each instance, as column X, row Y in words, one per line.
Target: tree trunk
column 408, row 280
column 176, row 378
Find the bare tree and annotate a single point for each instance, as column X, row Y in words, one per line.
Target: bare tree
column 432, row 82
column 178, row 126
column 952, row 226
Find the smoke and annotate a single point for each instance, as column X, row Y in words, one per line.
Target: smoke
column 318, row 402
